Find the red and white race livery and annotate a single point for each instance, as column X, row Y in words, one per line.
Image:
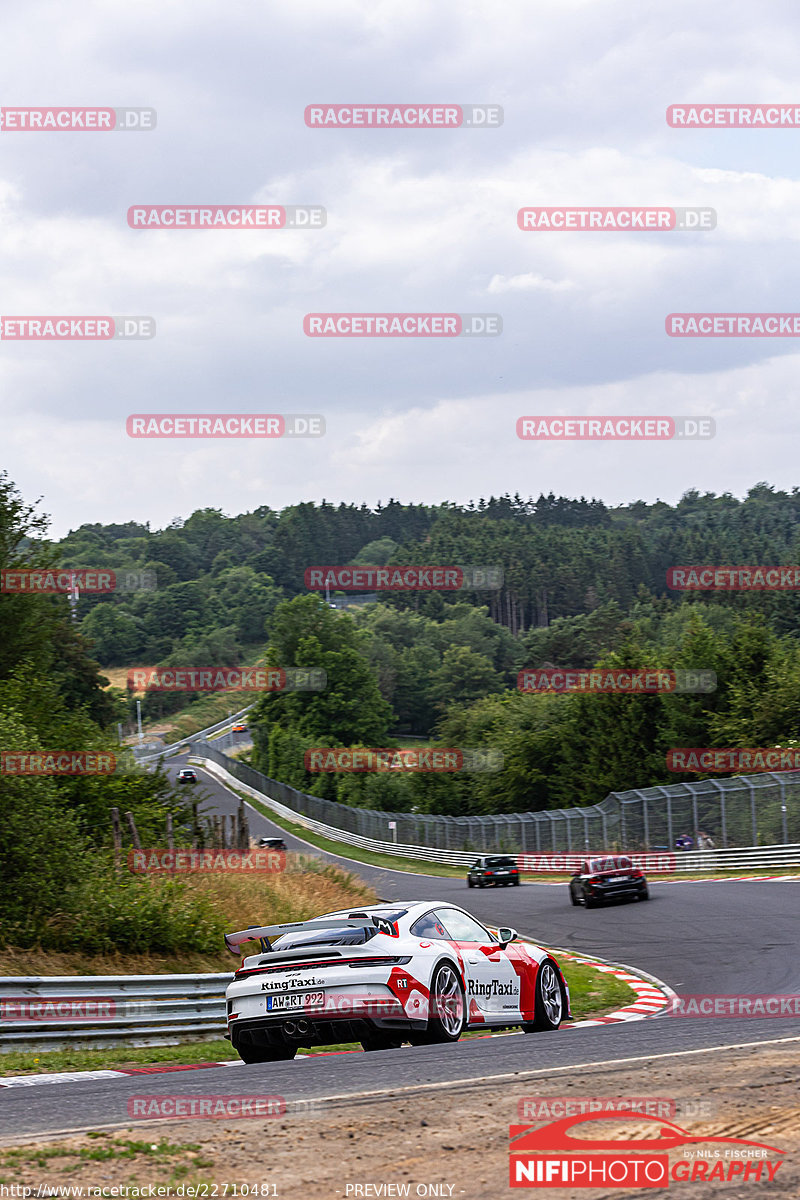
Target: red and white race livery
column 383, row 975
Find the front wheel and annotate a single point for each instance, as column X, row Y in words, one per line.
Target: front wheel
column 549, row 1007
column 262, row 1054
column 447, row 1015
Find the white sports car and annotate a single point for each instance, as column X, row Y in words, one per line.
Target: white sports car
column 384, row 975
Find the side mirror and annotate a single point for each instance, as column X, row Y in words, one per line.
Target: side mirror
column 506, row 936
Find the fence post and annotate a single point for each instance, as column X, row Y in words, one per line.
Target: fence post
column 137, row 845
column 670, row 830
column 646, row 823
column 117, row 835
column 752, row 809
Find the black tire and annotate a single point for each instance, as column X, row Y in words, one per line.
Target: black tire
column 379, row 1041
column 515, row 882
column 447, row 1017
column 549, row 1000
column 470, row 883
column 572, row 897
column 262, row 1054
column 645, row 895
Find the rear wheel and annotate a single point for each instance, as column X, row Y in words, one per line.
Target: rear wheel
column 262, row 1054
column 515, row 882
column 549, row 1000
column 447, row 1015
column 572, row 897
column 645, row 895
column 470, row 883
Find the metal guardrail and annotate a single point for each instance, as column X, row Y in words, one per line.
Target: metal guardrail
column 176, row 747
column 94, row 1011
column 764, row 857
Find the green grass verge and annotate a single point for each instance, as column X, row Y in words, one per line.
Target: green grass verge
column 593, row 994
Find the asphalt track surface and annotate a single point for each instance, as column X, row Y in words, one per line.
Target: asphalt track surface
column 700, row 938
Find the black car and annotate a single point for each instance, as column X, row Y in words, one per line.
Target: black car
column 271, row 843
column 609, row 878
column 187, row 775
column 494, row 869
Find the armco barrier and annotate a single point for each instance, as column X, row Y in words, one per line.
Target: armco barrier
column 752, row 857
column 94, row 1011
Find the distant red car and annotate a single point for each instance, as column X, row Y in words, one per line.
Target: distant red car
column 608, row 878
column 239, row 727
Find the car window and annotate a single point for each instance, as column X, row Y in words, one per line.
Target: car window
column 501, row 861
column 431, row 927
column 462, row 927
column 478, row 863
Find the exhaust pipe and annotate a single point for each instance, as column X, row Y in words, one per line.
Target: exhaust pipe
column 296, row 1029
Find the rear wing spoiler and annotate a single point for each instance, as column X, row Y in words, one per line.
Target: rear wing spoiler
column 263, row 933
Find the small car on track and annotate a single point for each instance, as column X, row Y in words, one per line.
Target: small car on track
column 493, row 870
column 418, row 972
column 271, row 843
column 186, row 775
column 239, row 727
column 606, row 878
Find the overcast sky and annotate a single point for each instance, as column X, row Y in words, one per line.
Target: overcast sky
column 418, row 221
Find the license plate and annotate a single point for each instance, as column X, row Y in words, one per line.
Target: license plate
column 619, row 879
column 301, row 1000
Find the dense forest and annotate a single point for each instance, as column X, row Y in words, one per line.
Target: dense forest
column 583, row 584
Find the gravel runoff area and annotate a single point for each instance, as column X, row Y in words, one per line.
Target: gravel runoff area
column 443, row 1140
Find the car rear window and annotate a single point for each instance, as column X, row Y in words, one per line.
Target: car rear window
column 347, row 935
column 501, row 861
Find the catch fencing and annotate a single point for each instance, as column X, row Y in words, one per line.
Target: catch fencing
column 756, row 811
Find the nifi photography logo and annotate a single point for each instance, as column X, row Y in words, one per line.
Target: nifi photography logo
column 560, row 1154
